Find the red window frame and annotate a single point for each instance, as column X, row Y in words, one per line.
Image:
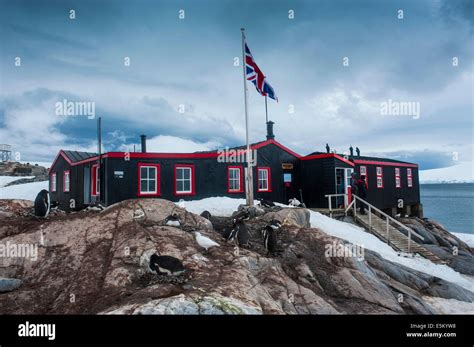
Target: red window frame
column 398, row 178
column 157, row 183
column 241, row 176
column 409, row 177
column 379, row 176
column 68, row 173
column 95, row 175
column 193, row 187
column 52, row 179
column 269, row 178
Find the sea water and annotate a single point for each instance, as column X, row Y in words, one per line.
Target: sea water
column 452, row 205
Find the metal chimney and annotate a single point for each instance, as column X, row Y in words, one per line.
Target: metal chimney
column 270, row 135
column 143, row 138
column 351, row 151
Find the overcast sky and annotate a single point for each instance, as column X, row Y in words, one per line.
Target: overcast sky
column 190, row 62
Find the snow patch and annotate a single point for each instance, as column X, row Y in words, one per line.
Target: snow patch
column 468, row 238
column 27, row 191
column 449, row 306
column 4, row 180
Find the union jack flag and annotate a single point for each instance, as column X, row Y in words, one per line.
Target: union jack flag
column 256, row 76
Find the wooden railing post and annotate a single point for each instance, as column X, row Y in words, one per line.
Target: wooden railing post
column 370, row 219
column 388, row 231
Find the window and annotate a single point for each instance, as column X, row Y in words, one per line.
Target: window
column 379, row 172
column 95, row 180
column 398, row 181
column 184, row 179
column 66, row 181
column 148, row 179
column 52, row 183
column 409, row 178
column 363, row 171
column 235, row 179
column 263, row 183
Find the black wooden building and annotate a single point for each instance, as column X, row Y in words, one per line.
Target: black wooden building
column 78, row 179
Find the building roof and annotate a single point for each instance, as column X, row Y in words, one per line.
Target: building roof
column 75, row 156
column 366, row 158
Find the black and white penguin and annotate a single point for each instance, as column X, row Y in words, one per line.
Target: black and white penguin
column 239, row 233
column 270, row 236
column 266, row 203
column 206, row 214
column 173, row 220
column 42, row 204
column 166, row 265
column 240, row 216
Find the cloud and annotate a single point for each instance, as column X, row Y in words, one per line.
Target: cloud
column 172, row 144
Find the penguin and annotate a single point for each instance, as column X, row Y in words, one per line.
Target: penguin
column 243, row 235
column 240, row 216
column 270, row 237
column 42, row 204
column 266, row 203
column 166, row 265
column 206, row 214
column 173, row 220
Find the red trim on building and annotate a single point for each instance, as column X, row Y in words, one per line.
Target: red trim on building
column 62, row 154
column 384, row 163
column 328, row 155
column 193, row 190
column 379, row 176
column 269, row 179
column 51, row 179
column 94, row 172
column 241, row 179
column 157, row 180
column 278, row 144
column 68, row 172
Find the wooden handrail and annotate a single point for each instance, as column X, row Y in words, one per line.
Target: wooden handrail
column 370, row 208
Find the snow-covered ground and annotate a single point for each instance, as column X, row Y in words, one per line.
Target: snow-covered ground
column 450, row 306
column 468, row 238
column 26, row 191
column 4, row 180
column 460, row 173
column 222, row 206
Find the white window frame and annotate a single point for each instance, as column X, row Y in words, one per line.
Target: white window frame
column 190, row 191
column 237, row 179
column 148, row 179
column 264, row 179
column 67, row 181
column 379, row 180
column 53, row 182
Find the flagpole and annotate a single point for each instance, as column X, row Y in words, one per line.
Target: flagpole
column 249, row 179
column 266, row 110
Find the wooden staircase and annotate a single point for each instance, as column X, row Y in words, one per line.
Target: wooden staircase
column 382, row 225
column 396, row 239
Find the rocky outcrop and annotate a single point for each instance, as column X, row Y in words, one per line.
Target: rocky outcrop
column 12, row 168
column 455, row 252
column 97, row 262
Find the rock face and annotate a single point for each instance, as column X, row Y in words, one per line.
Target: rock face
column 12, row 168
column 97, row 262
column 445, row 245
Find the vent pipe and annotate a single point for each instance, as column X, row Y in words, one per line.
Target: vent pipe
column 143, row 138
column 270, row 135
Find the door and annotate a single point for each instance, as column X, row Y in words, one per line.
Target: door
column 343, row 185
column 87, row 185
column 347, row 188
column 340, row 187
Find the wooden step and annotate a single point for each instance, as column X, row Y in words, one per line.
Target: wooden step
column 397, row 239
